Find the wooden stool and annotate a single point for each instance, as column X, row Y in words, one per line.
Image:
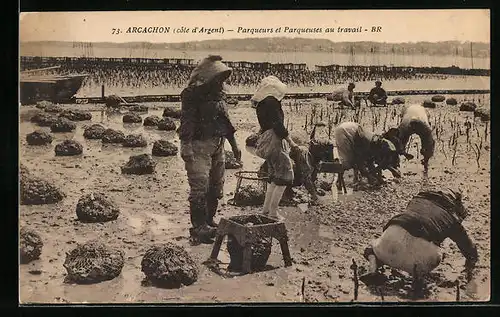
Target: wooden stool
column 334, row 168
column 246, row 236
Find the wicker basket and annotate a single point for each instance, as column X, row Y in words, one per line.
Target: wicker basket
column 255, row 188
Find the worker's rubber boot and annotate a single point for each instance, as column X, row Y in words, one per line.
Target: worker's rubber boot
column 212, row 204
column 200, row 232
column 203, row 234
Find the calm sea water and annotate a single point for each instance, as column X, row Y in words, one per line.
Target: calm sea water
column 450, row 83
column 310, row 58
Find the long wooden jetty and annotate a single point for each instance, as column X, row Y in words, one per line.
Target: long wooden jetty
column 76, row 63
column 305, row 95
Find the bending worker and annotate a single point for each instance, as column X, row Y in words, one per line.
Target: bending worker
column 411, row 240
column 346, row 97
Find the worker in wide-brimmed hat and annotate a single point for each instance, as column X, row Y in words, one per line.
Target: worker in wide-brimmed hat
column 378, row 95
column 274, row 142
column 411, row 240
column 205, row 125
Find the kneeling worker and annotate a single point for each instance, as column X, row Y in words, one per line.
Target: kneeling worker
column 378, row 95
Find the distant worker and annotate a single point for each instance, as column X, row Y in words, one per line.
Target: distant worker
column 346, row 97
column 378, row 96
column 411, row 240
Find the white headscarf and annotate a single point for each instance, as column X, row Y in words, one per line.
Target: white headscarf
column 270, row 86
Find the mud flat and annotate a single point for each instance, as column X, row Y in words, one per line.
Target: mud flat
column 323, row 239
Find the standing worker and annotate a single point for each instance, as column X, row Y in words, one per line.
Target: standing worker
column 205, row 125
column 274, row 142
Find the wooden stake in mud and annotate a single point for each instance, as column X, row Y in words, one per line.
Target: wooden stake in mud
column 102, row 92
column 486, row 132
column 468, row 126
column 303, row 289
column 416, row 287
column 354, row 268
column 381, row 292
column 457, row 285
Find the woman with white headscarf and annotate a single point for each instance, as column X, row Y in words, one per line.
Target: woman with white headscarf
column 274, row 142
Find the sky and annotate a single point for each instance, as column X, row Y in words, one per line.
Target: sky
column 396, row 25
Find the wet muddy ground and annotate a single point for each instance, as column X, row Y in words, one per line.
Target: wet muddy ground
column 323, row 240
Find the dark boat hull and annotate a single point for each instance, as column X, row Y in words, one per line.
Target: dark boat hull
column 57, row 91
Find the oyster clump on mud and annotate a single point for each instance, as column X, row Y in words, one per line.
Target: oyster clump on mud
column 249, row 195
column 166, row 124
column 135, row 140
column 169, row 266
column 138, row 108
column 172, row 112
column 483, row 114
column 151, row 121
column 62, row 125
column 164, row 148
column 468, row 106
column 53, row 108
column 43, row 119
column 112, row 136
column 231, row 162
column 451, row 101
column 398, row 101
column 93, row 262
column 113, row 100
column 30, row 245
column 43, row 104
column 68, row 148
column 438, row 98
column 76, row 115
column 139, row 165
column 132, row 118
column 429, row 104
column 36, row 191
column 94, row 132
column 96, row 207
column 38, row 137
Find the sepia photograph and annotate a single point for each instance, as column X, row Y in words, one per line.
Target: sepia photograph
column 294, row 156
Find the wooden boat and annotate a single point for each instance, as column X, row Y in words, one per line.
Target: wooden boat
column 54, row 88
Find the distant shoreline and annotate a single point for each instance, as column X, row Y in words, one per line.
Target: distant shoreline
column 297, row 45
